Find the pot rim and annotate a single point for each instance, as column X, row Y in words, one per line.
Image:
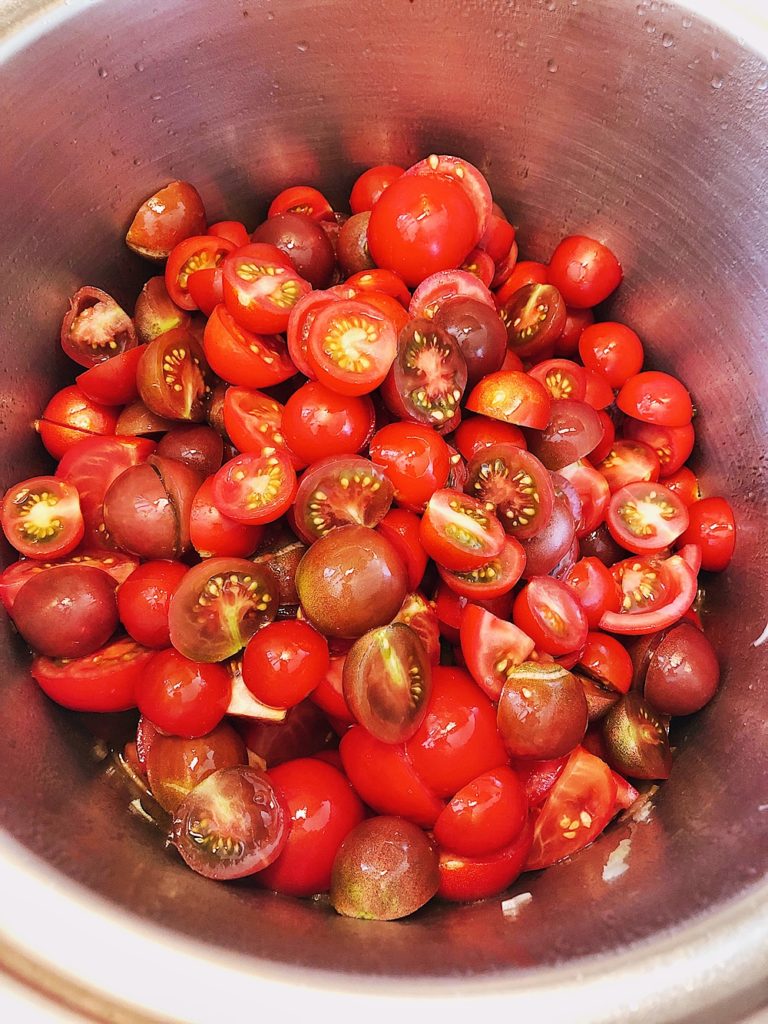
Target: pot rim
column 712, row 965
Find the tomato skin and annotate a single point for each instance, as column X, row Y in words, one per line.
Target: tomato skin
column 538, row 777
column 215, row 535
column 233, row 230
column 680, row 583
column 685, row 484
column 415, row 459
column 182, row 697
column 328, row 695
column 384, row 777
column 71, row 416
column 370, row 185
column 323, row 810
column 576, row 320
column 401, row 528
column 551, row 614
column 166, row 218
column 713, row 528
column 476, row 432
column 103, row 681
column 584, row 271
column 656, row 397
column 318, row 422
column 458, row 740
column 595, row 588
column 471, row 180
column 112, row 382
column 485, row 815
column 513, row 397
column 285, row 661
column 241, row 357
column 604, row 657
column 465, row 879
column 142, row 601
column 421, row 224
column 41, row 517
column 612, row 349
column 585, row 793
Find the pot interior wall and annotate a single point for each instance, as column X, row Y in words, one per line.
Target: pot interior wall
column 636, row 123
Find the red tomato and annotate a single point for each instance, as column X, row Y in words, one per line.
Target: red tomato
column 459, row 532
column 512, row 396
column 351, row 346
column 338, row 491
column 481, row 266
column 562, row 378
column 401, row 528
column 493, row 579
column 466, row 175
column 476, row 432
column 328, row 695
column 318, row 422
column 215, row 535
column 491, row 647
column 685, row 484
column 103, row 681
column 255, row 487
column 285, row 661
column 498, row 238
column 206, row 288
column 301, row 199
column 71, row 416
column 371, row 184
column 584, row 271
column 577, row 809
column 656, row 594
column 13, row 578
column 233, row 230
column 629, row 462
column 450, row 606
column 261, row 288
column 180, row 696
column 421, row 224
column 377, row 279
column 488, row 813
column 599, row 393
column 656, row 397
column 525, row 272
column 419, row 614
column 713, row 528
column 575, row 322
column 605, row 658
column 198, row 252
column 386, row 780
column 613, row 350
column 416, row 460
column 253, row 422
column 457, row 741
column 41, row 517
column 170, row 215
column 538, row 777
column 595, row 588
column 112, row 382
column 433, row 293
column 593, row 493
column 323, row 810
column 241, row 357
column 551, row 614
column 672, row 445
column 464, row 879
column 646, row 517
column 142, row 601
column 603, row 449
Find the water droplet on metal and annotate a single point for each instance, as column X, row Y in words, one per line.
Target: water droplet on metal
column 303, row 46
column 667, row 40
column 103, row 72
column 270, row 15
column 717, row 82
column 156, row 96
column 762, row 85
column 551, row 66
column 687, row 22
column 139, row 66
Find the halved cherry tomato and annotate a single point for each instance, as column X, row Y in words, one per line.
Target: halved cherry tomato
column 459, row 532
column 437, row 289
column 498, row 239
column 512, row 396
column 476, row 432
column 164, row 220
column 143, row 600
column 401, row 528
column 351, row 346
column 646, row 517
column 233, row 230
column 13, row 578
column 41, row 517
column 371, row 184
column 516, row 484
column 171, row 376
column 613, row 349
column 241, row 357
column 450, row 606
column 673, row 445
column 488, row 813
column 629, row 462
column 593, row 492
column 95, row 328
column 538, row 777
column 70, row 417
column 584, row 271
column 198, row 252
column 525, row 272
column 657, row 592
column 340, row 490
column 464, row 879
column 103, row 681
column 428, row 376
column 419, row 614
column 550, row 613
column 491, row 648
column 465, row 174
column 112, row 382
column 496, row 577
column 636, row 739
column 685, row 484
column 301, row 199
column 480, row 265
column 255, row 487
column 480, row 333
column 603, row 657
column 656, row 397
column 595, row 588
column 206, row 288
column 284, row 662
column 299, row 323
column 377, row 279
column 542, row 711
column 534, row 316
column 575, row 812
column 318, row 422
column 261, row 288
column 155, row 312
column 712, row 527
column 562, row 378
column 415, row 459
column 213, row 534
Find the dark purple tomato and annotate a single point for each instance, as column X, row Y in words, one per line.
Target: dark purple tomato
column 544, row 551
column 352, row 246
column 197, row 446
column 683, row 672
column 542, row 711
column 480, row 332
column 572, row 432
column 175, row 765
column 304, row 242
column 636, row 740
column 67, row 611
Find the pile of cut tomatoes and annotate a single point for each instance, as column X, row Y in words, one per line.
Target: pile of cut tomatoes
column 391, row 542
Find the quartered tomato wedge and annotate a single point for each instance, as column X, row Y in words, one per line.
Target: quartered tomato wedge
column 112, row 382
column 261, row 288
column 656, row 593
column 459, row 532
column 241, row 357
column 256, row 487
column 200, row 252
column 496, row 577
column 171, row 376
column 166, row 218
column 301, row 199
column 351, row 346
column 577, row 808
column 440, row 288
column 104, row 681
column 534, row 317
column 95, row 328
column 646, row 517
column 340, row 490
column 516, row 484
column 41, row 517
column 428, row 377
column 491, row 647
column 512, row 396
column 253, row 422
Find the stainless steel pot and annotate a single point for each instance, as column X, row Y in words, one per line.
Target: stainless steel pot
column 639, row 122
